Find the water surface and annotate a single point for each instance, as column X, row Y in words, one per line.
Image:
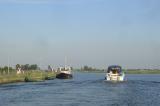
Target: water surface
column 85, row 89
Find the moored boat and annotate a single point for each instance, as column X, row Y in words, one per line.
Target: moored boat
column 114, row 73
column 64, row 73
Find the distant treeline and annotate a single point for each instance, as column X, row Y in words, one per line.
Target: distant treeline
column 26, row 67
column 127, row 71
column 142, row 71
column 87, row 68
column 6, row 69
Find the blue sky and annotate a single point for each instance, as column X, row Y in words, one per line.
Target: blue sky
column 88, row 32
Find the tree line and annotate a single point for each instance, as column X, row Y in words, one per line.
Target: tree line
column 6, row 69
column 26, row 67
column 87, row 68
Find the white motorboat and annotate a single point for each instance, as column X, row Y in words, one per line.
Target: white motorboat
column 114, row 73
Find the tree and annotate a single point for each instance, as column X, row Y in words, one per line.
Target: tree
column 5, row 68
column 33, row 67
column 18, row 66
column 85, row 68
column 71, row 68
column 26, row 67
column 49, row 68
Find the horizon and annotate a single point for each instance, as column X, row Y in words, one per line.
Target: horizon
column 97, row 33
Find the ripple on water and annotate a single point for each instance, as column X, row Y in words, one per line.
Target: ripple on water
column 83, row 90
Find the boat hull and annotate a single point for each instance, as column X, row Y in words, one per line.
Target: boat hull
column 64, row 76
column 114, row 77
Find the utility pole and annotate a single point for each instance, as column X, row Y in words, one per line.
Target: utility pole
column 8, row 64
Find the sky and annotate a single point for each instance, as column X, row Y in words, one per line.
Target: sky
column 97, row 33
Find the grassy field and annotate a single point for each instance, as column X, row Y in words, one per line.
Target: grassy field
column 29, row 76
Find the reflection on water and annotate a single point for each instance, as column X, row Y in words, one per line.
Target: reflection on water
column 85, row 89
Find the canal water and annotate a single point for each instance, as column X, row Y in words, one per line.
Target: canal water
column 85, row 89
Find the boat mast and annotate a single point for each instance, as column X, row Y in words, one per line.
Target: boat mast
column 65, row 62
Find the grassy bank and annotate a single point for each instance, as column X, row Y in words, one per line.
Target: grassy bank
column 29, row 76
column 139, row 71
column 130, row 71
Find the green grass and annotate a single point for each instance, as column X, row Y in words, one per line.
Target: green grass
column 29, row 76
column 134, row 71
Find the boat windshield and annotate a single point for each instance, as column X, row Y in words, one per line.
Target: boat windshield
column 114, row 69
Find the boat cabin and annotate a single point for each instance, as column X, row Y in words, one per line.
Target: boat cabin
column 64, row 69
column 115, row 69
column 64, row 73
